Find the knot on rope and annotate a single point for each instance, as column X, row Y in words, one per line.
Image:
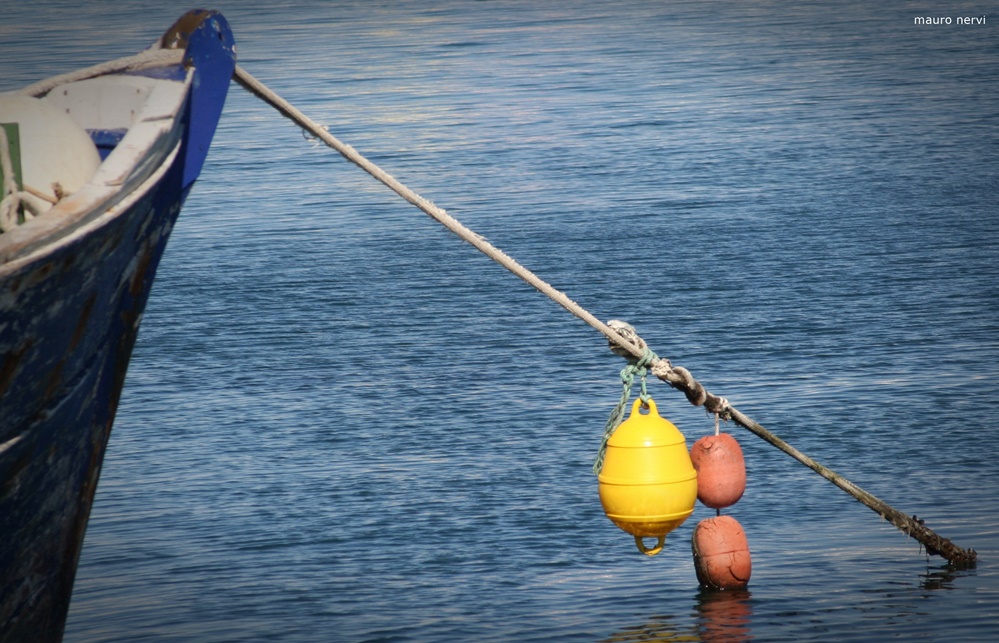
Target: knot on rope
column 694, row 390
column 627, row 331
column 718, row 406
column 635, row 366
column 639, row 367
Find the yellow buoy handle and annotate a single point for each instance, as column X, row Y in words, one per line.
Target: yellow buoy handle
column 640, row 403
column 654, row 550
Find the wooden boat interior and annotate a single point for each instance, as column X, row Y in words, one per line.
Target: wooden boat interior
column 133, row 122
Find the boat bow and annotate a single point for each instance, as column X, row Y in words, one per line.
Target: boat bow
column 73, row 284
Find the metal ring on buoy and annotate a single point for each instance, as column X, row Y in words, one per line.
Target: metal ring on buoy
column 650, row 551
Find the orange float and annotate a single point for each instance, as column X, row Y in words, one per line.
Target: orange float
column 721, row 553
column 721, row 470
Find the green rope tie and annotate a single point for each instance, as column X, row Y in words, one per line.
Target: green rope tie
column 628, row 373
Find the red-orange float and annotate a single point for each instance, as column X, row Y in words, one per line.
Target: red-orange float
column 721, row 470
column 721, row 553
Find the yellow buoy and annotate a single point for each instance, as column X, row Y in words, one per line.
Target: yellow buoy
column 647, row 484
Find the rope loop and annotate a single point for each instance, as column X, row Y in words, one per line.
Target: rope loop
column 718, row 405
column 642, row 370
column 637, row 367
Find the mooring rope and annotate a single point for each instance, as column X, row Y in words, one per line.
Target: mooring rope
column 622, row 337
column 439, row 214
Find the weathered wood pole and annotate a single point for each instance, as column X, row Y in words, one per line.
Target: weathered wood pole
column 681, row 379
column 912, row 526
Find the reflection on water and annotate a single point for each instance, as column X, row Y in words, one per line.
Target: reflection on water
column 941, row 577
column 658, row 628
column 721, row 615
column 724, row 615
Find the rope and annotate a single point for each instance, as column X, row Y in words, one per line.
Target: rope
column 147, row 58
column 15, row 206
column 628, row 373
column 624, row 343
column 622, row 337
column 439, row 214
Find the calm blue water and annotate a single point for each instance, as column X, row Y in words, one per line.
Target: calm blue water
column 342, row 424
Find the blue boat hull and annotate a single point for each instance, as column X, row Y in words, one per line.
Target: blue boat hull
column 68, row 323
